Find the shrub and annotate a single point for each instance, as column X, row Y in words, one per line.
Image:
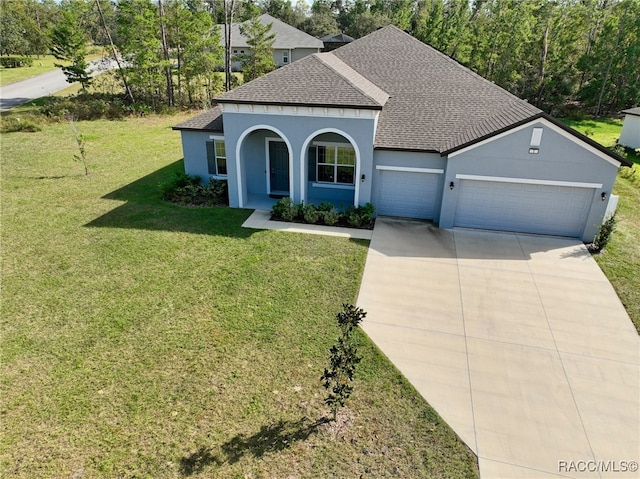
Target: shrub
column 604, row 234
column 325, row 206
column 180, row 180
column 330, row 217
column 13, row 124
column 13, row 61
column 90, row 106
column 311, row 214
column 219, row 190
column 286, row 209
column 630, row 174
column 358, row 216
column 188, row 190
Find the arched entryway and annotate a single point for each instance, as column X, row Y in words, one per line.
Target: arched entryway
column 265, row 165
column 330, row 168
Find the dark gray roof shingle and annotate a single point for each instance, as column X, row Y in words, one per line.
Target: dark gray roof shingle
column 429, row 102
column 436, row 103
column 315, row 80
column 210, row 120
column 337, row 38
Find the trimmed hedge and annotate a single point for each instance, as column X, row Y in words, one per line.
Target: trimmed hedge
column 325, row 213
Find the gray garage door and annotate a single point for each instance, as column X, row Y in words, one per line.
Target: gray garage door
column 408, row 194
column 544, row 209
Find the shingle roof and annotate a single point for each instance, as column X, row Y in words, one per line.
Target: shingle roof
column 337, row 38
column 632, row 111
column 287, row 37
column 428, row 101
column 319, row 79
column 210, row 120
column 436, row 103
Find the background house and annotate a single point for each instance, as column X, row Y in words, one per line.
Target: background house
column 630, row 134
column 389, row 120
column 335, row 40
column 290, row 43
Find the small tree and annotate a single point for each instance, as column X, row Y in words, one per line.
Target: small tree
column 81, row 144
column 343, row 359
column 259, row 60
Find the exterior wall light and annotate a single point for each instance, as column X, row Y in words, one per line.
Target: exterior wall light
column 603, row 195
column 534, row 151
column 451, row 185
column 362, row 178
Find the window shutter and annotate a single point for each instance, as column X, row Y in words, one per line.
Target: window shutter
column 211, row 157
column 311, row 157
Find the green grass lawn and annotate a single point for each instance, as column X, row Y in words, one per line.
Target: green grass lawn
column 620, row 260
column 142, row 339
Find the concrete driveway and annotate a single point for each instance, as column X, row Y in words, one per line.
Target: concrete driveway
column 518, row 341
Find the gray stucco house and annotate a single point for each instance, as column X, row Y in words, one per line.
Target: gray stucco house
column 630, row 134
column 389, row 120
column 290, row 44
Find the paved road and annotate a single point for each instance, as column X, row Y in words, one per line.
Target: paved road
column 518, row 341
column 21, row 92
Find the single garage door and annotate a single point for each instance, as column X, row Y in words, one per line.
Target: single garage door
column 409, row 194
column 525, row 208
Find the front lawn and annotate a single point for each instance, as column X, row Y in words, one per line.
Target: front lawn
column 620, row 261
column 144, row 339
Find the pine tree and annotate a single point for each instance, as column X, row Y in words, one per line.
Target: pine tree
column 68, row 44
column 259, row 61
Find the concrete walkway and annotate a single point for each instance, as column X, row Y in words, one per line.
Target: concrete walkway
column 518, row 341
column 261, row 219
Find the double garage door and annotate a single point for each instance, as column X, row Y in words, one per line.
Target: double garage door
column 521, row 207
column 495, row 205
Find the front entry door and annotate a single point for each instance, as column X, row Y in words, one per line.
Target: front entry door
column 278, row 168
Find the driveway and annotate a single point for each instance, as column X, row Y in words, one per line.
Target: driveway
column 15, row 94
column 518, row 341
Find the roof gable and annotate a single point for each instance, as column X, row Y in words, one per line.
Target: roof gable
column 560, row 128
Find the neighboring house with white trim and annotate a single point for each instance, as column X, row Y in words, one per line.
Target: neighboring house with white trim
column 389, row 120
column 630, row 134
column 290, row 44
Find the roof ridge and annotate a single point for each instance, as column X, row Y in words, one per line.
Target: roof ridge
column 378, row 94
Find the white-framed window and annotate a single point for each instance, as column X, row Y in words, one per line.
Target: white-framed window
column 217, row 157
column 285, row 57
column 335, row 163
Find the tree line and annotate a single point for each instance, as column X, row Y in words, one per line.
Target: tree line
column 560, row 55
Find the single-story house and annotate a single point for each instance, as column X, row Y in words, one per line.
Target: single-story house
column 630, row 134
column 290, row 44
column 390, row 120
